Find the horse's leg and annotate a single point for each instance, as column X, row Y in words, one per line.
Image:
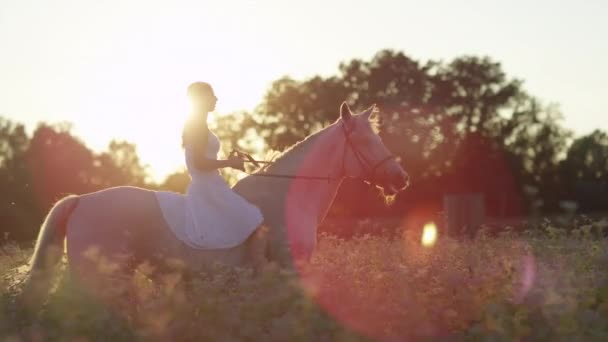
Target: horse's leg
column 100, row 266
column 99, row 246
column 257, row 247
column 288, row 250
column 278, row 247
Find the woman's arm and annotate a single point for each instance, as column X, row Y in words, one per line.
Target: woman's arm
column 205, row 164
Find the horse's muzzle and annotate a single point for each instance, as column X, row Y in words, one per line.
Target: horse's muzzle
column 396, row 182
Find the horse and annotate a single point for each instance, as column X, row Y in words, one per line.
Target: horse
column 122, row 227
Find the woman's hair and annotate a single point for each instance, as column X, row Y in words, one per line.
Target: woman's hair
column 191, row 128
column 194, row 128
column 197, row 88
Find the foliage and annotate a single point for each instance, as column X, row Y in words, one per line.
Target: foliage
column 590, row 151
column 37, row 170
column 458, row 126
column 585, row 171
column 546, row 284
column 461, row 126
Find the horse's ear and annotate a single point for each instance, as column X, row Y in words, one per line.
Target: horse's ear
column 369, row 111
column 345, row 112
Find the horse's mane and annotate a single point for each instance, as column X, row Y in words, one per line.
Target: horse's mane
column 276, row 157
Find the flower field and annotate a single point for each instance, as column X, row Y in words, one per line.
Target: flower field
column 547, row 284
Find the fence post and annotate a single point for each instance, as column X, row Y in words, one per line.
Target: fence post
column 464, row 212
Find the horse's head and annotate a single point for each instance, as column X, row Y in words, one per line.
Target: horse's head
column 365, row 156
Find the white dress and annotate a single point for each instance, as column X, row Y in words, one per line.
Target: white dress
column 210, row 215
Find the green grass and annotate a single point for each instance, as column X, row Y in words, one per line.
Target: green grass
column 548, row 285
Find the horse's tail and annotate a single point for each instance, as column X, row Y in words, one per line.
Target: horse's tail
column 48, row 251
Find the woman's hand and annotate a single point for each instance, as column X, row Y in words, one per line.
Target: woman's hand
column 236, row 162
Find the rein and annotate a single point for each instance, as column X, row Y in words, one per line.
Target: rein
column 249, row 159
column 368, row 167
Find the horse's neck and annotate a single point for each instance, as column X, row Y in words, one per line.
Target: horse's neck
column 321, row 155
column 285, row 199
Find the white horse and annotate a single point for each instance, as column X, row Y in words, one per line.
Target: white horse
column 123, row 226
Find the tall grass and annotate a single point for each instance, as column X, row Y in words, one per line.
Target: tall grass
column 545, row 285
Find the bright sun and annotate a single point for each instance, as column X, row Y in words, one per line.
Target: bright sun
column 154, row 125
column 133, row 99
column 150, row 116
column 128, row 82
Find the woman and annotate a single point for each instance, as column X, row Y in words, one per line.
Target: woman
column 216, row 216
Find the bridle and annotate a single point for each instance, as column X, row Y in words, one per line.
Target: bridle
column 369, row 168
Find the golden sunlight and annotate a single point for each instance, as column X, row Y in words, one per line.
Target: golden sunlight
column 429, row 234
column 129, row 102
column 151, row 117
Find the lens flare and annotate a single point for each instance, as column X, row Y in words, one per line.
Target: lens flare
column 429, row 234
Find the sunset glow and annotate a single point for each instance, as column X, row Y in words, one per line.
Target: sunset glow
column 119, row 69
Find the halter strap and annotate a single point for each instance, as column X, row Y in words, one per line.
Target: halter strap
column 368, row 168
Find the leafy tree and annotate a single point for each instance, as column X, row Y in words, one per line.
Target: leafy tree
column 17, row 207
column 585, row 170
column 120, row 165
column 176, row 182
column 587, row 158
column 456, row 126
column 36, row 171
column 59, row 164
column 459, row 126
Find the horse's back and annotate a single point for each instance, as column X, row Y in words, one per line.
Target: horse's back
column 115, row 223
column 122, row 198
column 111, row 211
column 128, row 221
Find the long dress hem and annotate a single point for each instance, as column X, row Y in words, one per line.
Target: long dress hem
column 210, row 215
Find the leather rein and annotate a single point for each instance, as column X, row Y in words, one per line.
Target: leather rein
column 369, row 168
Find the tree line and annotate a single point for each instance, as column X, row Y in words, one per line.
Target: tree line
column 461, row 126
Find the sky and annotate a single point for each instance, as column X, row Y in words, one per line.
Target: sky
column 119, row 69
